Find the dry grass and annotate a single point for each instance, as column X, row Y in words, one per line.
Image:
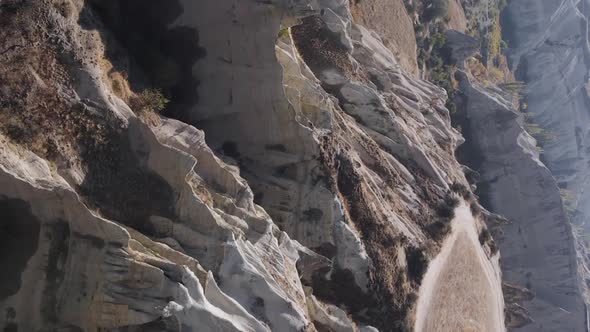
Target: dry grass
column 495, row 40
column 320, row 49
column 39, row 112
column 394, row 284
column 491, row 75
column 390, row 19
column 36, row 107
column 117, row 80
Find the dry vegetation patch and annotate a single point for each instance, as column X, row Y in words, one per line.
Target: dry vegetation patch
column 40, row 112
column 321, row 48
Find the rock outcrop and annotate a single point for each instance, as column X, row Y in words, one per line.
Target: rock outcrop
column 537, row 241
column 549, row 52
column 320, row 183
column 541, row 254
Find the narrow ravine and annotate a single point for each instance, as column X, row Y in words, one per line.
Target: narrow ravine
column 460, row 291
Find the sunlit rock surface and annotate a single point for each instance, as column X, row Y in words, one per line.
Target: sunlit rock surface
column 313, row 195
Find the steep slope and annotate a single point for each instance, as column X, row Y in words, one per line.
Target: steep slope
column 326, row 192
column 537, row 242
column 540, row 251
column 549, row 51
column 391, row 21
column 477, row 304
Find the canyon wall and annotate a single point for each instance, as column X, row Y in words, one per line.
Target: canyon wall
column 321, row 181
column 539, row 185
column 549, row 52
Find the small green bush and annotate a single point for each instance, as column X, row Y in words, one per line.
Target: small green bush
column 149, row 100
column 284, row 32
column 569, row 201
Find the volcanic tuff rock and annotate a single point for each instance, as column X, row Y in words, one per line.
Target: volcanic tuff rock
column 537, row 241
column 550, row 53
column 326, row 190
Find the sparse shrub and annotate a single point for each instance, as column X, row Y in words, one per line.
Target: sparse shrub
column 438, row 40
column 440, row 69
column 539, row 133
column 495, row 39
column 513, row 87
column 495, row 74
column 284, row 32
column 410, row 7
column 445, row 211
column 149, row 100
column 446, row 208
column 484, row 236
column 568, row 199
column 461, row 190
column 439, row 229
column 493, row 247
column 475, row 209
column 417, row 264
column 419, row 29
column 436, row 9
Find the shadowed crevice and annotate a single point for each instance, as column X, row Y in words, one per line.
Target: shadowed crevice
column 19, row 239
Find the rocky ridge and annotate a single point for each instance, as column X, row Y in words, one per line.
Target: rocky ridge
column 542, row 255
column 320, row 183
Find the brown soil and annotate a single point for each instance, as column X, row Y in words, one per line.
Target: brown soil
column 457, row 19
column 320, row 48
column 393, row 288
column 391, row 21
column 39, row 112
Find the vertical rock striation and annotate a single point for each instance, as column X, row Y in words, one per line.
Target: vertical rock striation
column 537, row 242
column 550, row 53
column 540, row 249
column 319, row 186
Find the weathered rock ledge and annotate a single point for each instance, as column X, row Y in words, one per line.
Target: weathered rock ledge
column 320, row 183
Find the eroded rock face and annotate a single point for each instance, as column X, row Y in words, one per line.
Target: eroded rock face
column 332, row 196
column 549, row 50
column 537, row 241
column 392, row 21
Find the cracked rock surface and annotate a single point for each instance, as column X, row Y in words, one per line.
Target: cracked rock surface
column 296, row 181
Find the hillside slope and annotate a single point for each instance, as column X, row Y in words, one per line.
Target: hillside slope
column 312, row 197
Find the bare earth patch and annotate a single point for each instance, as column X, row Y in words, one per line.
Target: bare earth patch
column 391, row 21
column 459, row 291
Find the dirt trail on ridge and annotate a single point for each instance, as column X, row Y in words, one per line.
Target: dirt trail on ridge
column 461, row 291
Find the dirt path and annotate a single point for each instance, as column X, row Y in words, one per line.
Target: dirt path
column 460, row 291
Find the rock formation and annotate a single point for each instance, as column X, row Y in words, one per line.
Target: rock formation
column 541, row 252
column 549, row 52
column 537, row 242
column 239, row 165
